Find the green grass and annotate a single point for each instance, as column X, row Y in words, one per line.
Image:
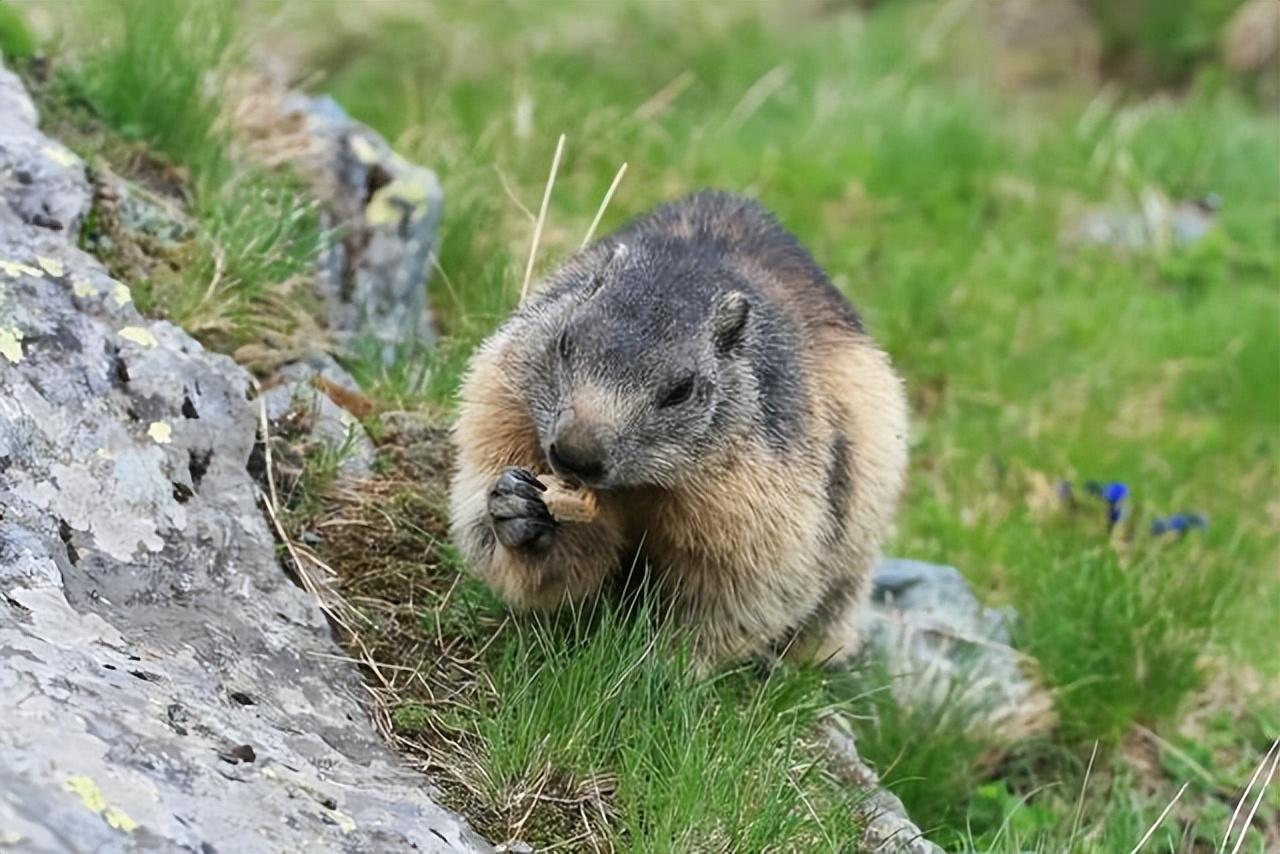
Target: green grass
column 930, row 754
column 16, row 39
column 937, row 207
column 157, row 73
column 936, row 202
column 693, row 764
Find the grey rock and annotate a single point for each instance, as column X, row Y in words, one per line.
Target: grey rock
column 373, row 280
column 941, row 645
column 307, row 406
column 145, row 213
column 41, row 181
column 163, row 685
column 1158, row 224
column 888, row 828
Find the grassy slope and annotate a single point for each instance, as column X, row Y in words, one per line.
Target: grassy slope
column 935, row 203
column 155, row 74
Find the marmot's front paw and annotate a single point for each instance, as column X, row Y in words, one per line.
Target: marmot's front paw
column 520, row 518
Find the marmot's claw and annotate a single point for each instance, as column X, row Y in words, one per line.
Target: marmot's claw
column 517, row 481
column 526, row 476
column 520, row 518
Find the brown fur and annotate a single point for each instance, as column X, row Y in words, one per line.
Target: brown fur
column 759, row 547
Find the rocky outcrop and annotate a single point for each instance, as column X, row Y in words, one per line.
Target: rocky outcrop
column 163, row 684
column 941, row 645
column 383, row 210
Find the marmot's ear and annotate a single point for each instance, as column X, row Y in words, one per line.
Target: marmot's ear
column 729, row 320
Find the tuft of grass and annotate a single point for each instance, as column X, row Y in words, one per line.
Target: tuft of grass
column 1123, row 639
column 153, row 72
column 156, row 74
column 604, row 708
column 932, row 755
column 16, row 39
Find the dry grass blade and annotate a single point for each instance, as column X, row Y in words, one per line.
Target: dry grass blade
column 608, row 197
column 1244, row 796
column 511, row 194
column 1075, row 821
column 332, row 604
column 664, row 97
column 1159, row 820
column 754, row 99
column 1274, row 755
column 542, row 218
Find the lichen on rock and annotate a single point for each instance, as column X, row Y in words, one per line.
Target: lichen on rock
column 163, row 684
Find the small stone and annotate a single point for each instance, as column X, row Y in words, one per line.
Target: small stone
column 938, row 641
column 239, row 753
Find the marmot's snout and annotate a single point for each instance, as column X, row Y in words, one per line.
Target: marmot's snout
column 577, row 452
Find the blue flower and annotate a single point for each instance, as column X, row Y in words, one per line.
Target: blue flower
column 1178, row 522
column 1115, row 492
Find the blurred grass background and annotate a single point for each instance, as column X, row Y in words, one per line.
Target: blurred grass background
column 932, row 155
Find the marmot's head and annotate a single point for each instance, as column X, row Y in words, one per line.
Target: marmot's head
column 649, row 360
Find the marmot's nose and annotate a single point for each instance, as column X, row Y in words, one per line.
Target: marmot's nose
column 577, row 451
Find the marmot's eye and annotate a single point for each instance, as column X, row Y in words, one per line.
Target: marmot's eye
column 564, row 346
column 678, row 393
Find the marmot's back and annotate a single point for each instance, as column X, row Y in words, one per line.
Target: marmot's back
column 753, row 241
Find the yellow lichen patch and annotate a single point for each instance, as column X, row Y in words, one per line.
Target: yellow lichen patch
column 59, row 155
column 161, row 432
column 17, row 268
column 121, row 294
column 52, row 266
column 11, row 344
column 82, row 288
column 390, row 203
column 139, row 335
column 363, row 150
column 92, row 798
column 119, row 819
column 345, row 822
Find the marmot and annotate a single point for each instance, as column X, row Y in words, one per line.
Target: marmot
column 743, row 437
